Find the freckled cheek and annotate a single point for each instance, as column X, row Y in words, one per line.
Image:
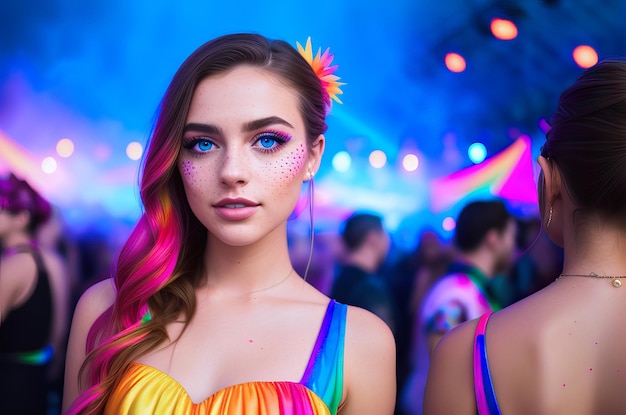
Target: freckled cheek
column 285, row 169
column 188, row 171
column 193, row 175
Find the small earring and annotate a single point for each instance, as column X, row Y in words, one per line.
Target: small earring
column 310, row 175
column 549, row 221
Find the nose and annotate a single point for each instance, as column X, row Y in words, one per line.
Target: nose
column 235, row 168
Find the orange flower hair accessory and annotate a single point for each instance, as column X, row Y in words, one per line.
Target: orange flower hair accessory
column 321, row 66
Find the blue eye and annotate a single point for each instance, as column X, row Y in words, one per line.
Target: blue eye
column 204, row 145
column 199, row 145
column 267, row 142
column 272, row 140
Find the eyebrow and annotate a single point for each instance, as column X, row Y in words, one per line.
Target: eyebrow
column 247, row 127
column 202, row 128
column 264, row 122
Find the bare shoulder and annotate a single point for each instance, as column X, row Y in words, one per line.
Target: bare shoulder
column 19, row 268
column 92, row 303
column 17, row 279
column 450, row 384
column 96, row 299
column 370, row 364
column 366, row 330
column 457, row 340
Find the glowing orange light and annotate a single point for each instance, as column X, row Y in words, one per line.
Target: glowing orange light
column 503, row 29
column 585, row 56
column 455, row 62
column 65, row 147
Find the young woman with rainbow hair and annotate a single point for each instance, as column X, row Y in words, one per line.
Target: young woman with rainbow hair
column 204, row 313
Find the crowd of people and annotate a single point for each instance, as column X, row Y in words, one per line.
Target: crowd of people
column 212, row 306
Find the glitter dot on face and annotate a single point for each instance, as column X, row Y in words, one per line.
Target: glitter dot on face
column 564, row 385
column 290, row 165
column 250, row 341
column 188, row 169
column 590, row 369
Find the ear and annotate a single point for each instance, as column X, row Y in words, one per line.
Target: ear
column 551, row 178
column 22, row 219
column 315, row 157
column 492, row 238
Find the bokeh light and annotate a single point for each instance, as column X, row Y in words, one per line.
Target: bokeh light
column 477, row 152
column 410, row 162
column 585, row 56
column 455, row 62
column 342, row 161
column 134, row 150
column 49, row 165
column 65, row 147
column 448, row 224
column 503, row 29
column 377, row 159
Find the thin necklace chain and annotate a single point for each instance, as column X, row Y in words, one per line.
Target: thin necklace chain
column 271, row 286
column 616, row 278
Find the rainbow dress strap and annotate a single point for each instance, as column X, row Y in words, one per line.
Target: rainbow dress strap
column 146, row 390
column 486, row 401
column 324, row 373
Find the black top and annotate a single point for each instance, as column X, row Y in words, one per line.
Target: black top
column 355, row 287
column 23, row 336
column 28, row 327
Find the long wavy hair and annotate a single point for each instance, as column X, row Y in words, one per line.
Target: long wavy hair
column 161, row 263
column 587, row 141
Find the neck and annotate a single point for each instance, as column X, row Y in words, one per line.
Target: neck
column 479, row 259
column 15, row 239
column 364, row 260
column 240, row 270
column 597, row 248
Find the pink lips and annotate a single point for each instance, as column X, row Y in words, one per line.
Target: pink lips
column 236, row 209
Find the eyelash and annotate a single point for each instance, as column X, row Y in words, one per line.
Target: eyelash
column 190, row 143
column 278, row 137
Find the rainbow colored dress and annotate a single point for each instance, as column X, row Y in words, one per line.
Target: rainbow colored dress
column 146, row 390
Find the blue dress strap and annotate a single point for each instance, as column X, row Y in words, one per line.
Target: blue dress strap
column 324, row 372
column 483, row 386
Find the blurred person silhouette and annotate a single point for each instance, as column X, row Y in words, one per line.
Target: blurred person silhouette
column 357, row 282
column 34, row 303
column 205, row 312
column 410, row 278
column 484, row 241
column 559, row 350
column 56, row 237
column 540, row 262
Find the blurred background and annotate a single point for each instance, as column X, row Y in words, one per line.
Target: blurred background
column 445, row 101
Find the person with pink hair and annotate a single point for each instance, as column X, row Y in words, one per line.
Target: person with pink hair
column 34, row 302
column 204, row 313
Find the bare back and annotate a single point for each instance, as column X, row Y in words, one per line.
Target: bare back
column 557, row 351
column 561, row 350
